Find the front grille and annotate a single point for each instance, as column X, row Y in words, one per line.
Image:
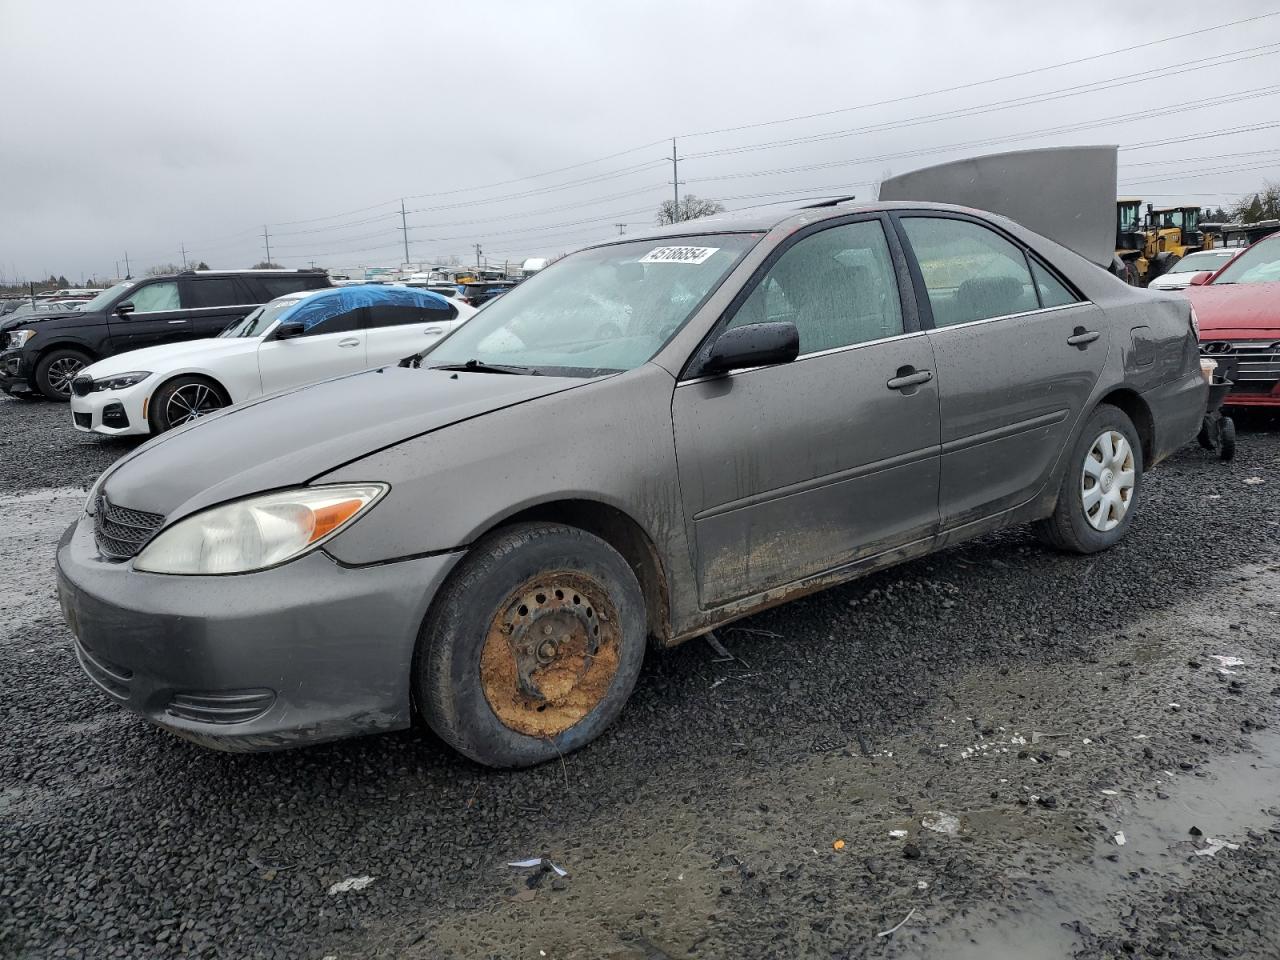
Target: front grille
column 221, row 706
column 1250, row 363
column 82, row 385
column 120, row 532
column 83, row 420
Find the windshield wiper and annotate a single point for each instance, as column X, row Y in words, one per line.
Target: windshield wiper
column 479, row 366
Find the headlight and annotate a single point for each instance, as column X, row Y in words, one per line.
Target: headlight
column 121, row 380
column 259, row 532
column 1195, row 323
column 18, row 337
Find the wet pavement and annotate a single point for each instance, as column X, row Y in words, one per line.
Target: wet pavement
column 946, row 753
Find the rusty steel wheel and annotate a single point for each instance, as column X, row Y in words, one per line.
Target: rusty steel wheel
column 550, row 654
column 532, row 646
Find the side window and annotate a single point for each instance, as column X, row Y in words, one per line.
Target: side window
column 213, row 292
column 279, row 286
column 837, row 286
column 326, row 315
column 970, row 272
column 155, row 297
column 1052, row 292
column 410, row 308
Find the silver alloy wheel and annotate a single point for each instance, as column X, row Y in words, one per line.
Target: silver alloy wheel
column 62, row 371
column 1107, row 481
column 191, row 402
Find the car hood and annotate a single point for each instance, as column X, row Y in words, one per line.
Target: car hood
column 171, row 356
column 14, row 323
column 1250, row 307
column 291, row 438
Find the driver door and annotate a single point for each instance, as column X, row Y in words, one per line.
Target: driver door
column 157, row 317
column 791, row 470
column 333, row 345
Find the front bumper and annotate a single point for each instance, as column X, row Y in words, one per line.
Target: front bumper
column 13, row 374
column 302, row 653
column 115, row 413
column 1252, row 365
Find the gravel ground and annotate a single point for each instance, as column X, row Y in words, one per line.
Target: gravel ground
column 1010, row 710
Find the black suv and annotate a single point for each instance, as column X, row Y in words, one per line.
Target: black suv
column 41, row 354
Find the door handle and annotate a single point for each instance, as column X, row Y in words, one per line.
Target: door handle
column 1080, row 337
column 433, row 331
column 349, row 342
column 909, row 377
column 177, row 321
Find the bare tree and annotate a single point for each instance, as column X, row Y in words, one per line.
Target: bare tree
column 691, row 208
column 267, row 265
column 162, row 268
column 1263, row 205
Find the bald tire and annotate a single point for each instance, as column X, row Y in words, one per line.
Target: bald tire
column 1067, row 529
column 447, row 683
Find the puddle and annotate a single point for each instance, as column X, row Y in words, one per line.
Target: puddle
column 1230, row 799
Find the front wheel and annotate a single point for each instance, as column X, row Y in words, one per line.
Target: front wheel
column 532, row 647
column 55, row 371
column 182, row 400
column 1100, row 487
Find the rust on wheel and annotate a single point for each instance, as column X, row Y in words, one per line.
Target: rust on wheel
column 550, row 654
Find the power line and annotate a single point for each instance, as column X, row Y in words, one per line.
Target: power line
column 979, row 83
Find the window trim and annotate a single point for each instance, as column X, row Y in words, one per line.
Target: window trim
column 898, row 259
column 906, row 335
column 922, row 291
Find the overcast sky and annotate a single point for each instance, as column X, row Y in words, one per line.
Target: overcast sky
column 143, row 126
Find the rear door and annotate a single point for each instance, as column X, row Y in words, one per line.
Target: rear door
column 157, row 317
column 1018, row 353
column 403, row 323
column 791, row 470
column 214, row 303
column 333, row 345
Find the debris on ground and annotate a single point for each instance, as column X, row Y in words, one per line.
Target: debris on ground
column 1213, row 845
column 894, row 929
column 1119, row 838
column 1253, row 481
column 543, row 862
column 1227, row 661
column 940, row 822
column 350, row 884
column 897, row 834
column 838, row 845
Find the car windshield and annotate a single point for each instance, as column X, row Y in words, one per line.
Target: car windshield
column 104, row 299
column 1208, row 260
column 1259, row 264
column 258, row 322
column 599, row 311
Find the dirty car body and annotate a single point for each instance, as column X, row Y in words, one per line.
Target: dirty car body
column 923, row 401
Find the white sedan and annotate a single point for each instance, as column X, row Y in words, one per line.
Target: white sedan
column 293, row 340
column 1179, row 275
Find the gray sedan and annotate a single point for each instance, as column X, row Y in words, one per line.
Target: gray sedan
column 493, row 533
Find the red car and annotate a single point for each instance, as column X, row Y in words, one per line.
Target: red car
column 1239, row 312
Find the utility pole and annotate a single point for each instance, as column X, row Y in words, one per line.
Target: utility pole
column 117, row 273
column 675, row 182
column 404, row 226
column 622, row 228
column 128, row 271
column 477, row 246
column 183, row 247
column 266, row 238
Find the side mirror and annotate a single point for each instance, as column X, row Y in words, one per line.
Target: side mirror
column 124, row 309
column 290, row 330
column 1201, row 278
column 753, row 345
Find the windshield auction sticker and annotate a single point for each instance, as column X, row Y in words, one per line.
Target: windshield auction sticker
column 679, row 255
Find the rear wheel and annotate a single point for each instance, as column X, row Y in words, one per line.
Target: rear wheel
column 1227, row 439
column 184, row 399
column 532, row 647
column 1100, row 487
column 55, row 371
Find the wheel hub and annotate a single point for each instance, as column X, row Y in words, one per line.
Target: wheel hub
column 550, row 654
column 1107, row 480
